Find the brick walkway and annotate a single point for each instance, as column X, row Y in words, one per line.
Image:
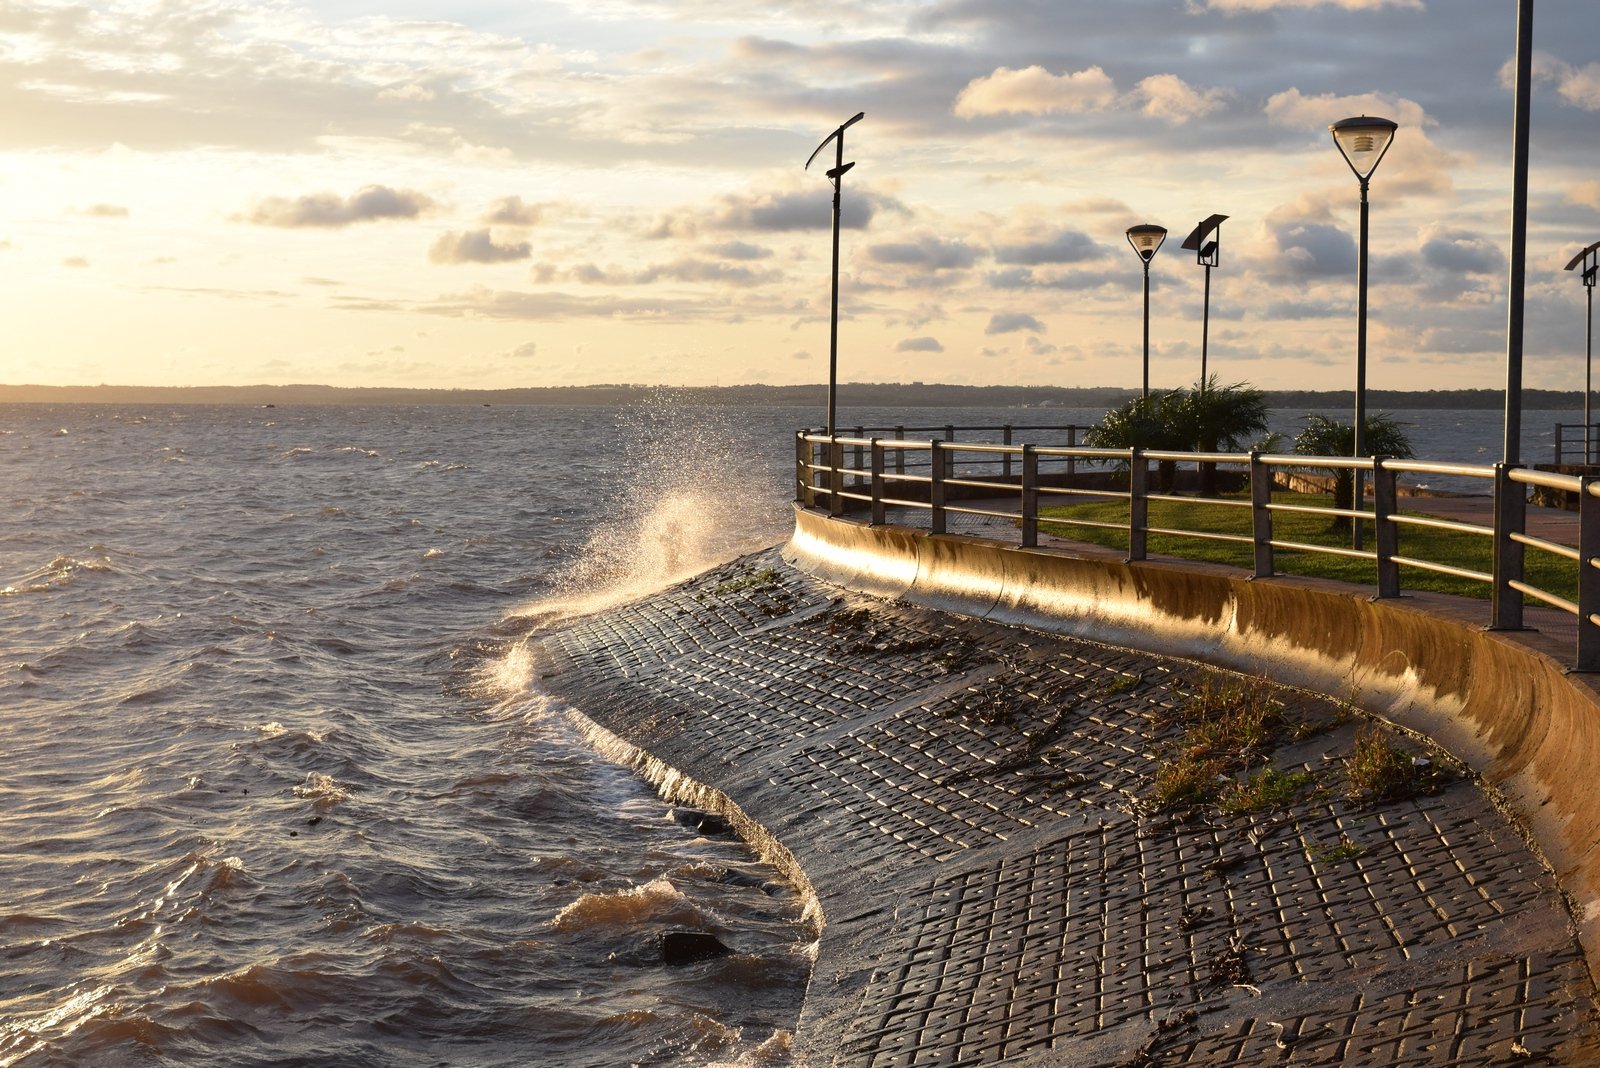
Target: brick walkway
column 973, row 805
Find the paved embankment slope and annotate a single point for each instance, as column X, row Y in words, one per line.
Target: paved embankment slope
column 970, row 804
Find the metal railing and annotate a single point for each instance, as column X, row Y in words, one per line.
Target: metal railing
column 945, row 477
column 1576, row 443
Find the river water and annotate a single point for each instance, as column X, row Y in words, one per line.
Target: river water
column 275, row 787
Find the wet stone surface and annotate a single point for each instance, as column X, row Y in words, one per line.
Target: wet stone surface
column 987, row 816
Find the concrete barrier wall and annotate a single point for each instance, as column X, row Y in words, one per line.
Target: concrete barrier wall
column 1508, row 711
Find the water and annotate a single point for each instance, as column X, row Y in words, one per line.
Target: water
column 276, row 788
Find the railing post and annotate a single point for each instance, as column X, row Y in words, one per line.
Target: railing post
column 1072, row 461
column 1559, row 430
column 1588, row 653
column 1030, row 497
column 860, row 457
column 1138, row 504
column 1386, row 535
column 878, row 517
column 1261, row 514
column 950, row 454
column 900, row 454
column 835, row 477
column 801, row 496
column 936, row 462
column 1510, row 517
column 1005, row 464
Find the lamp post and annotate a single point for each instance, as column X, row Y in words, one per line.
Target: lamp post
column 1207, row 254
column 1587, row 264
column 836, row 176
column 1146, row 238
column 1362, row 141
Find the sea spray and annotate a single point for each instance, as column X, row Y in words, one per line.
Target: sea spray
column 692, row 499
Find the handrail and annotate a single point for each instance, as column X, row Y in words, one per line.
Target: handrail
column 1004, row 481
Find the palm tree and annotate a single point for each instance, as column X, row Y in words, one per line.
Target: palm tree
column 1207, row 418
column 1152, row 422
column 1221, row 419
column 1330, row 437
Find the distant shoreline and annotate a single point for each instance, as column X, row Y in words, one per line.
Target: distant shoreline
column 875, row 395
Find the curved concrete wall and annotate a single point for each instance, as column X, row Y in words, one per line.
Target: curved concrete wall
column 1508, row 711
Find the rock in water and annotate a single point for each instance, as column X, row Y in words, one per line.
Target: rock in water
column 690, row 947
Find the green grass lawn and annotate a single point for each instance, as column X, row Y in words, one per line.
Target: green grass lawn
column 1544, row 570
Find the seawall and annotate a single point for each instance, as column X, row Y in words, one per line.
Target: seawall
column 954, row 749
column 1499, row 702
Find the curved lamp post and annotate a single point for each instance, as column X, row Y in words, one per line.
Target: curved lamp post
column 1146, row 238
column 1587, row 264
column 836, row 176
column 1207, row 254
column 1362, row 141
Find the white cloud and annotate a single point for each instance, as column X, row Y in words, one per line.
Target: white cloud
column 1171, row 99
column 1581, row 87
column 476, row 246
column 1293, row 108
column 1011, row 322
column 919, row 344
column 1035, row 91
column 1586, row 194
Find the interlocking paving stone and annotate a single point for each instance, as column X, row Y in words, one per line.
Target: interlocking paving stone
column 981, row 797
column 723, row 604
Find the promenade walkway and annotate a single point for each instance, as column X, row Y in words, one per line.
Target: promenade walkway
column 976, row 809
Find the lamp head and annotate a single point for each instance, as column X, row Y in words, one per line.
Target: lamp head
column 1363, row 140
column 1146, row 238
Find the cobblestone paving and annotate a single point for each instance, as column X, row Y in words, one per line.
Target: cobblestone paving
column 975, row 806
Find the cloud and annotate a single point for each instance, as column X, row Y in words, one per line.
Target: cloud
column 681, row 270
column 476, row 246
column 105, row 211
column 1462, row 253
column 740, row 250
column 1035, row 91
column 776, row 212
column 919, row 344
column 1294, row 108
column 511, row 211
column 526, row 351
column 1063, row 246
column 1171, row 99
column 1011, row 322
column 1315, row 250
column 331, row 210
column 1581, row 87
column 1304, row 309
column 1585, row 194
column 926, row 252
column 1235, row 6
column 75, row 261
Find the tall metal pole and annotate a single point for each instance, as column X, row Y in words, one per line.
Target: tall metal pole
column 1512, row 453
column 833, row 306
column 836, row 176
column 1147, row 330
column 1205, row 329
column 1588, row 371
column 1361, row 367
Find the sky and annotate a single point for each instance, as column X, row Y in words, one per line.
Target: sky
column 491, row 194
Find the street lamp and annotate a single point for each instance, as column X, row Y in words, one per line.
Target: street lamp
column 1146, row 238
column 1206, row 254
column 1587, row 264
column 1362, row 141
column 836, row 176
